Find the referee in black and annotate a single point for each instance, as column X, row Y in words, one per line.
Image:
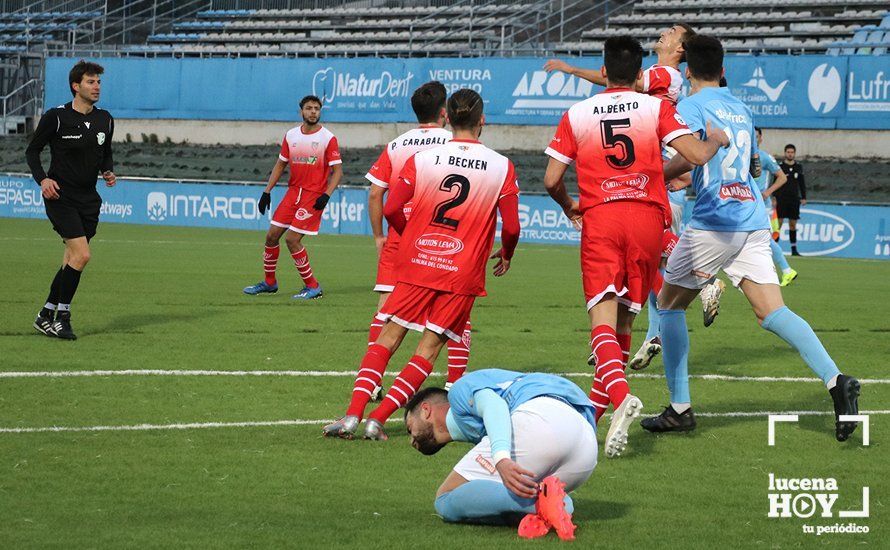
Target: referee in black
column 791, row 196
column 79, row 137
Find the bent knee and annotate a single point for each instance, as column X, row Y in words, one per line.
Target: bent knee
column 444, row 508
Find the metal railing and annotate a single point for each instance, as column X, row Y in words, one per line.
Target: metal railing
column 18, row 104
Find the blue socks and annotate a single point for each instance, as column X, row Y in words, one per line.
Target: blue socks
column 785, row 324
column 675, row 350
column 778, row 257
column 654, row 317
column 486, row 502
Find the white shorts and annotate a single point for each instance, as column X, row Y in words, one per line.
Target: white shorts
column 549, row 438
column 700, row 254
column 676, row 217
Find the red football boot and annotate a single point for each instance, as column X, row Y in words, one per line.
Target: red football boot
column 551, row 507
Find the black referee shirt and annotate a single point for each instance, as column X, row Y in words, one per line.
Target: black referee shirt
column 796, row 188
column 80, row 147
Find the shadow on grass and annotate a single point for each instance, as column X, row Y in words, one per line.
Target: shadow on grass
column 598, row 510
column 132, row 324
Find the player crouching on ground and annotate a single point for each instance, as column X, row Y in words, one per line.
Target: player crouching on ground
column 457, row 190
column 312, row 153
column 535, row 439
column 729, row 231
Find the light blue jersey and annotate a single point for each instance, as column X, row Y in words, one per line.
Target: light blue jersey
column 769, row 166
column 515, row 388
column 726, row 194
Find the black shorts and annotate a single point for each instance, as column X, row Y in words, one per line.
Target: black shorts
column 790, row 210
column 74, row 217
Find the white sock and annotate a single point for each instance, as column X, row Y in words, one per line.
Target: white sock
column 680, row 407
column 49, row 306
column 833, row 382
column 786, row 271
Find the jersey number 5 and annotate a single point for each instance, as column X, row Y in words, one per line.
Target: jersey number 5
column 623, row 142
column 463, row 190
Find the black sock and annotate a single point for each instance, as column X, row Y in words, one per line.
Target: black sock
column 70, row 280
column 792, row 236
column 53, row 297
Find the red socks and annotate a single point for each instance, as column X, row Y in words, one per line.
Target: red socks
column 301, row 260
column 270, row 262
column 459, row 355
column 374, row 330
column 624, row 344
column 369, row 376
column 403, row 388
column 609, row 383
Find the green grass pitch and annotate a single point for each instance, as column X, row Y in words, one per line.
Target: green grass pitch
column 170, row 298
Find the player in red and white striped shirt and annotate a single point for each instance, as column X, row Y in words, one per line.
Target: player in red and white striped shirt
column 312, row 154
column 457, row 191
column 428, row 102
column 616, row 138
column 662, row 80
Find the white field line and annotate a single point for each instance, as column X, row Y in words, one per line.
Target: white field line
column 347, row 373
column 322, row 421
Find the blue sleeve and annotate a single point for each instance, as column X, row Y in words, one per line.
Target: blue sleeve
column 495, row 414
column 768, row 163
column 692, row 115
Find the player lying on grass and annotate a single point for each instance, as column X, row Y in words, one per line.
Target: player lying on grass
column 616, row 137
column 534, row 436
column 456, row 190
column 729, row 231
column 428, row 103
column 313, row 155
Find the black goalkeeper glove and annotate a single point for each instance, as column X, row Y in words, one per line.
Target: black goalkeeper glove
column 265, row 202
column 322, row 201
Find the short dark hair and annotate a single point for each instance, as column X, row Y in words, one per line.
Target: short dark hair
column 81, row 68
column 790, row 146
column 424, row 395
column 688, row 32
column 310, row 98
column 464, row 109
column 428, row 100
column 623, row 58
column 704, row 57
column 758, row 129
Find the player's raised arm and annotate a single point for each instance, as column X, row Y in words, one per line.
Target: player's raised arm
column 590, row 75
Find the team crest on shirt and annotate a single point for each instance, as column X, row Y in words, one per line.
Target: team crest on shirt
column 100, row 137
column 463, row 148
column 315, row 145
column 302, row 214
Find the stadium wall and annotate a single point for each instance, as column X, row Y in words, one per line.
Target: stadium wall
column 820, row 143
column 803, row 92
column 839, row 230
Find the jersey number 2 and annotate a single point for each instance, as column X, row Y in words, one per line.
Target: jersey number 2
column 463, row 190
column 612, row 140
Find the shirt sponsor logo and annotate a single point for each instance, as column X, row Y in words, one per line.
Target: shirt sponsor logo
column 486, row 464
column 78, row 136
column 736, row 191
column 439, row 244
column 306, row 160
column 625, row 182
